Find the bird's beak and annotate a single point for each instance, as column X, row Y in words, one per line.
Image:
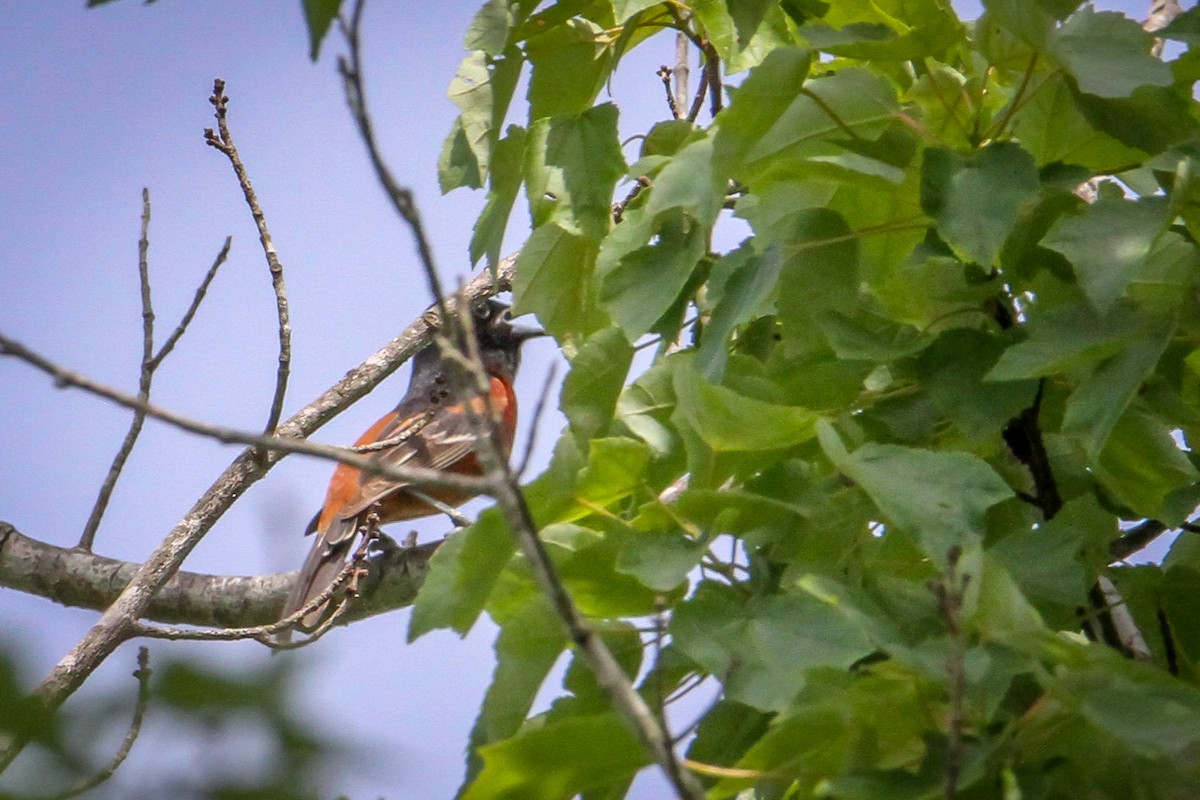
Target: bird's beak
column 523, row 333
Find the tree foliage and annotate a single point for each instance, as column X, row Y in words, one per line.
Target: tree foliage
column 919, row 403
column 873, row 478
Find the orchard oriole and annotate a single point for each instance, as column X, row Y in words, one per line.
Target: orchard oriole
column 433, row 430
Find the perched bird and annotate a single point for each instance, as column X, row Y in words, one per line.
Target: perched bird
column 443, row 440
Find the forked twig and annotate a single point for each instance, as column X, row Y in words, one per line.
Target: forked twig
column 142, row 674
column 222, row 140
column 150, row 364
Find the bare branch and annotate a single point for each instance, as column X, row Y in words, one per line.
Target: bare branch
column 664, row 72
column 223, row 141
column 538, row 411
column 401, row 196
column 1130, row 638
column 142, row 674
column 1162, row 12
column 712, row 71
column 190, row 314
column 73, row 578
column 618, row 209
column 698, row 100
column 276, row 444
column 146, row 377
column 949, row 591
column 681, row 71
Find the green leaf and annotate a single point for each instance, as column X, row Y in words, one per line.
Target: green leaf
column 1107, row 244
column 1024, row 19
column 643, row 285
column 975, row 199
column 464, row 570
column 1184, row 28
column 623, row 10
column 457, row 165
column 597, row 376
column 1142, row 464
column 851, row 104
column 1165, row 281
column 1065, row 337
column 659, row 561
column 1151, row 119
column 820, row 271
column 461, row 575
column 318, row 16
column 570, row 64
column 553, row 279
column 1108, row 54
column 867, row 336
column 471, row 90
column 952, row 371
column 941, row 497
column 748, row 283
column 600, row 590
column 887, row 31
column 761, row 99
column 727, row 421
column 996, row 606
column 615, row 467
column 488, row 31
column 557, row 760
column 1052, row 128
column 530, row 640
column 764, row 648
column 1045, row 563
column 1101, row 398
column 726, row 732
column 504, row 181
column 624, row 641
column 572, row 166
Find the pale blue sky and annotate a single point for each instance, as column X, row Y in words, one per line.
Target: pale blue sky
column 96, row 105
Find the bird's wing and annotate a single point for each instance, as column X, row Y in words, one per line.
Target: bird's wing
column 440, row 441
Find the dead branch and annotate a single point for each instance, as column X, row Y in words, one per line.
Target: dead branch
column 223, row 141
column 150, row 364
column 79, row 579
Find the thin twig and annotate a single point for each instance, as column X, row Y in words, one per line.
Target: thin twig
column 190, row 314
column 698, row 100
column 664, row 73
column 1017, row 98
column 275, row 444
column 712, row 70
column 401, row 196
column 509, row 496
column 223, row 141
column 618, row 209
column 538, row 411
column 410, row 430
column 145, row 378
column 949, row 591
column 150, row 364
column 459, row 519
column 142, row 674
column 264, row 633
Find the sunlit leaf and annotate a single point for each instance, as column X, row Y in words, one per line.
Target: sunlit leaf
column 975, row 200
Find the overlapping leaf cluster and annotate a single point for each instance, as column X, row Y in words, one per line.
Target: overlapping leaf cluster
column 914, row 407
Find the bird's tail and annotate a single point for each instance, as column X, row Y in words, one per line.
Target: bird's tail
column 322, row 566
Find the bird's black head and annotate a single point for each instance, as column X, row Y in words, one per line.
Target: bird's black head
column 499, row 339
